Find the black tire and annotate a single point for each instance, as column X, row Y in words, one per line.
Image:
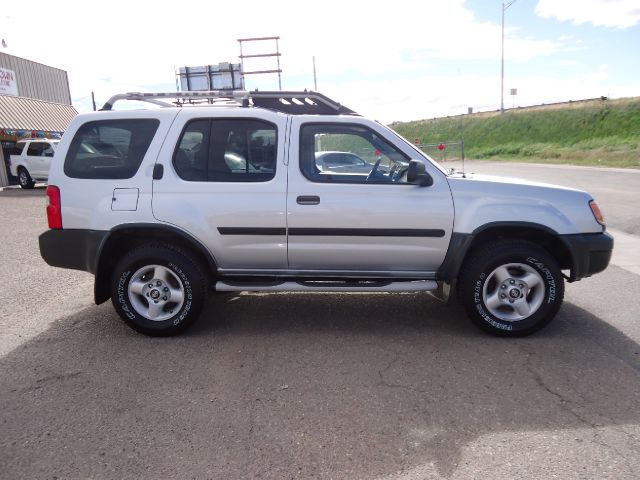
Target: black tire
column 181, row 273
column 24, row 179
column 493, row 291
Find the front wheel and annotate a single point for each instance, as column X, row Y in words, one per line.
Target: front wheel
column 158, row 291
column 511, row 288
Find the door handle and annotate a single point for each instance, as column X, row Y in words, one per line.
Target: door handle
column 308, row 200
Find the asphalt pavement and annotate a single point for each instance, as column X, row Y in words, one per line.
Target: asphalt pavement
column 352, row 386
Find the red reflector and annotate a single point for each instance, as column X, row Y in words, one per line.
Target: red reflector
column 54, row 209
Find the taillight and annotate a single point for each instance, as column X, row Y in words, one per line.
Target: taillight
column 595, row 209
column 54, row 209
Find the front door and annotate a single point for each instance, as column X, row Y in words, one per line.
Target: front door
column 350, row 208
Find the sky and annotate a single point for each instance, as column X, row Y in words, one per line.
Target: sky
column 391, row 61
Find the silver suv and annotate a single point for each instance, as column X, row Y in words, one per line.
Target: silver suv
column 164, row 205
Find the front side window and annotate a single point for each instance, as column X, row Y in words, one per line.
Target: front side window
column 49, row 150
column 343, row 153
column 109, row 149
column 226, row 150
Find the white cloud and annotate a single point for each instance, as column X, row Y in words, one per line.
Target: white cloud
column 379, row 58
column 601, row 13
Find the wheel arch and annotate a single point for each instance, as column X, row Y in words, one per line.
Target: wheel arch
column 123, row 238
column 462, row 245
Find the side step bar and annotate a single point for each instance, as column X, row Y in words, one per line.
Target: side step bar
column 329, row 286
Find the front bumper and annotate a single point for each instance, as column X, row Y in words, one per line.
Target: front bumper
column 591, row 253
column 75, row 249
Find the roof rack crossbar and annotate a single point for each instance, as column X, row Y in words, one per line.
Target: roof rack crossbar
column 305, row 102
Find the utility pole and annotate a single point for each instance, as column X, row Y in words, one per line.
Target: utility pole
column 315, row 78
column 504, row 9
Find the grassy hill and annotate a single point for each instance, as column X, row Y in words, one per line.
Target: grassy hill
column 594, row 132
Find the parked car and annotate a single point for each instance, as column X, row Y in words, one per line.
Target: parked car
column 178, row 201
column 342, row 162
column 31, row 160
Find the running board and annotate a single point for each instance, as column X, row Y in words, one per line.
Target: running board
column 328, row 286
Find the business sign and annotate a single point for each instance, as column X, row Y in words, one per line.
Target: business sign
column 8, row 82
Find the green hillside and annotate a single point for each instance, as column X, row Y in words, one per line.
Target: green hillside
column 596, row 132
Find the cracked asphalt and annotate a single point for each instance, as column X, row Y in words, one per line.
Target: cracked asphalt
column 274, row 386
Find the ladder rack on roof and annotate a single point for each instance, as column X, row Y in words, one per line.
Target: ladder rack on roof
column 297, row 103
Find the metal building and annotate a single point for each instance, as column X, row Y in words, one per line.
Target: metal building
column 38, row 81
column 35, row 102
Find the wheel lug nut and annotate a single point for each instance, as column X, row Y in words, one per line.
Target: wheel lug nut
column 503, row 286
column 155, row 301
column 512, row 282
column 164, row 298
column 520, row 285
column 158, row 283
column 511, row 300
column 502, row 296
column 151, row 285
column 165, row 289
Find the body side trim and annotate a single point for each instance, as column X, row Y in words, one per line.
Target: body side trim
column 251, row 231
column 367, row 232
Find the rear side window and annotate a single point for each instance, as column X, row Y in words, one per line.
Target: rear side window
column 17, row 149
column 36, row 149
column 109, row 149
column 40, row 149
column 226, row 150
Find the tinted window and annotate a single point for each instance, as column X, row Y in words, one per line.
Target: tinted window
column 342, row 153
column 17, row 149
column 111, row 149
column 227, row 150
column 37, row 149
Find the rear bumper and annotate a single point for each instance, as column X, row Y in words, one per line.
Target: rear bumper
column 75, row 249
column 591, row 253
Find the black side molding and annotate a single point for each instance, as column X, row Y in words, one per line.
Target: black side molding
column 367, row 232
column 251, row 231
column 334, row 232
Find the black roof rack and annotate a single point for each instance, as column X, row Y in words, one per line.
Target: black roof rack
column 295, row 103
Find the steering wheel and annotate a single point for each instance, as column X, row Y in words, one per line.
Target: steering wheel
column 401, row 173
column 374, row 170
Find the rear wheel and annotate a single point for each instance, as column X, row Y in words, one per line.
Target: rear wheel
column 25, row 179
column 511, row 288
column 158, row 291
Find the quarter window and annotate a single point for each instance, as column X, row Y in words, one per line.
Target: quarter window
column 344, row 153
column 226, row 150
column 109, row 149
